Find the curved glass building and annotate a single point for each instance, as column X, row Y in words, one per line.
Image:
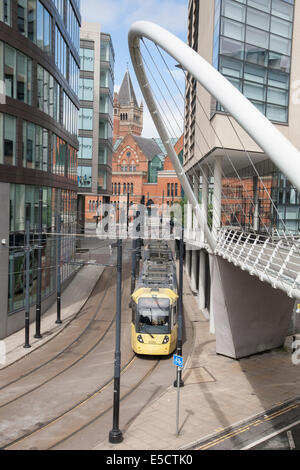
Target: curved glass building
column 39, row 106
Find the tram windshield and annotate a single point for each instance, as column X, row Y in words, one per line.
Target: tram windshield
column 154, row 316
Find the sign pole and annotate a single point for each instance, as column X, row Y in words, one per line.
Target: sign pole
column 178, row 396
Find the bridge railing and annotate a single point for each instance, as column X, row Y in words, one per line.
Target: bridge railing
column 274, row 259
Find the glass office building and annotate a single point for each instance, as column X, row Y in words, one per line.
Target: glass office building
column 253, row 44
column 96, row 90
column 252, row 49
column 39, row 73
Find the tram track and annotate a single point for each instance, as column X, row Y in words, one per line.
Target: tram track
column 23, row 402
column 82, row 356
column 62, row 422
column 20, row 443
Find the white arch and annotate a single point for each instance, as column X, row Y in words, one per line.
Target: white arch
column 280, row 150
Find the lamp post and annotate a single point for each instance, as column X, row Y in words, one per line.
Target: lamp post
column 179, row 382
column 39, row 270
column 115, row 435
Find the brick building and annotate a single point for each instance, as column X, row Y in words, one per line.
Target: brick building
column 140, row 166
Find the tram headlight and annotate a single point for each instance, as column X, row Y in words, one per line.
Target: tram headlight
column 166, row 340
column 140, row 339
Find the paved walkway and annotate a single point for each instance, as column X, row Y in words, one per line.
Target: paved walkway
column 219, row 392
column 73, row 298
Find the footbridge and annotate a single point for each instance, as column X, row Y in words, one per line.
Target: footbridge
column 242, row 257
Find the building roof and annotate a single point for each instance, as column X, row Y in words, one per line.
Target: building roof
column 126, row 94
column 148, row 146
column 117, row 143
column 173, row 141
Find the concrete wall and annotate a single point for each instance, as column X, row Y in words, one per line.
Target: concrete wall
column 249, row 315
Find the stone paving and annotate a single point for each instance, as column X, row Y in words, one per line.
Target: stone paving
column 219, row 392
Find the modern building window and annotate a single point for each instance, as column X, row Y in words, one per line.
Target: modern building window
column 17, row 73
column 7, row 139
column 104, row 103
column 70, row 115
column 64, row 158
column 60, row 52
column 102, row 179
column 73, row 27
column 35, row 22
column 5, row 11
column 86, row 89
column 48, row 93
column 85, row 147
column 84, row 176
column 103, row 152
column 23, row 203
column 87, row 60
column 35, row 146
column 73, row 74
column 252, row 49
column 86, row 119
column 105, row 51
column 60, row 7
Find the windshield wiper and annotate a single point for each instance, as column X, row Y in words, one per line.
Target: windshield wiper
column 147, row 332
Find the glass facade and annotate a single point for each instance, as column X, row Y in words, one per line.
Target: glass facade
column 48, row 93
column 86, row 119
column 23, row 205
column 92, row 117
column 35, row 23
column 84, row 176
column 35, row 147
column 33, row 156
column 74, row 74
column 73, row 26
column 5, row 11
column 86, row 89
column 60, row 7
column 7, row 139
column 60, row 52
column 252, row 49
column 85, row 148
column 87, row 59
column 64, row 158
column 70, row 115
column 16, row 73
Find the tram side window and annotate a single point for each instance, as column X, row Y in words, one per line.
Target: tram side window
column 133, row 312
column 174, row 315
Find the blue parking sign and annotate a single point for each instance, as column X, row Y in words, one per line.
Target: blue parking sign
column 178, row 361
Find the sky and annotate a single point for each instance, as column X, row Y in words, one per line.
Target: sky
column 116, row 17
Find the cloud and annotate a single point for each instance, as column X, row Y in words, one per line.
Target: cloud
column 170, row 14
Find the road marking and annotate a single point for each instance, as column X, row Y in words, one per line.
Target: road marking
column 291, row 440
column 223, row 438
column 266, row 438
column 245, row 427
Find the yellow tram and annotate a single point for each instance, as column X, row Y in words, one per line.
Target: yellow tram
column 154, row 303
